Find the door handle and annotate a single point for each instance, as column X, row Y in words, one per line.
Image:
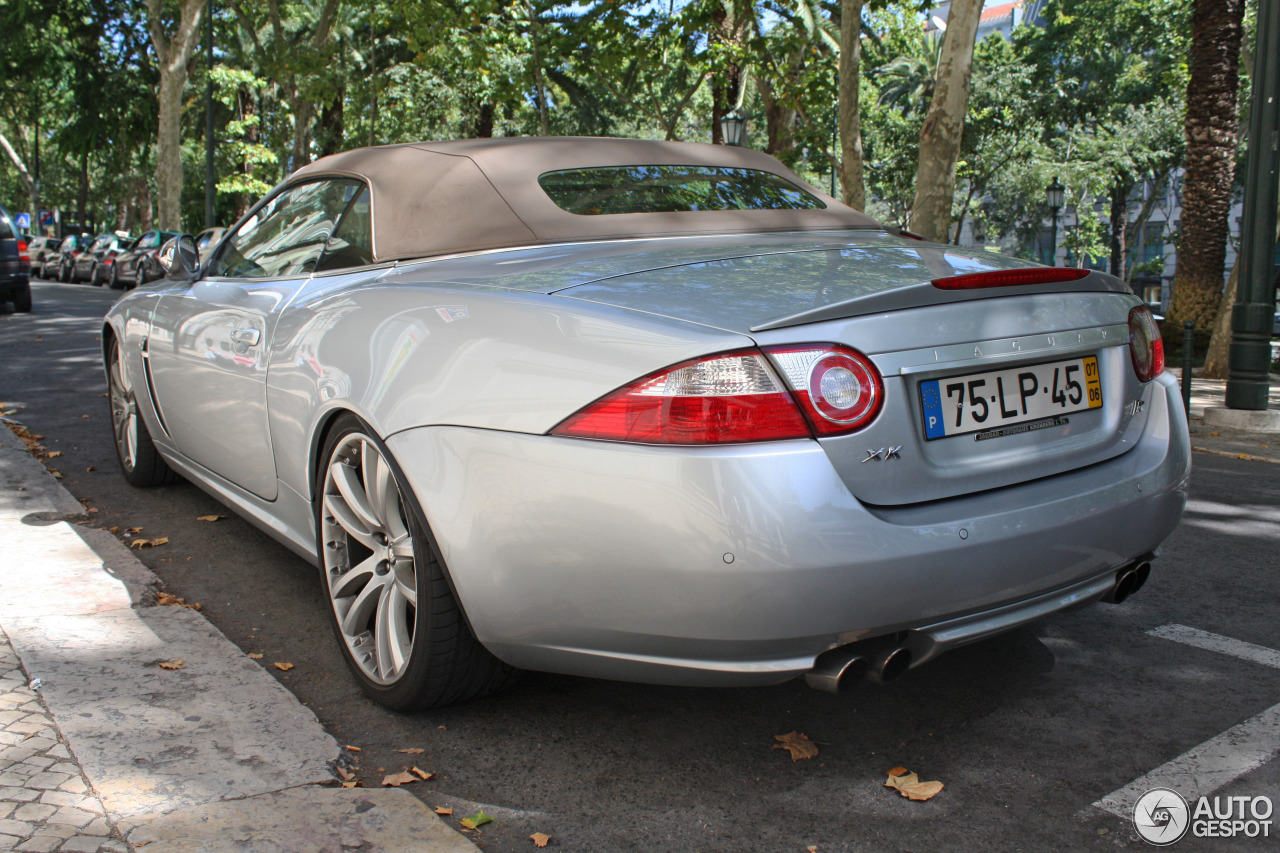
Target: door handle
column 246, row 336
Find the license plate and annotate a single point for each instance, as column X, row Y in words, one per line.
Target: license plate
column 1021, row 395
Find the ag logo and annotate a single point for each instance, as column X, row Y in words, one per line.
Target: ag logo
column 1161, row 816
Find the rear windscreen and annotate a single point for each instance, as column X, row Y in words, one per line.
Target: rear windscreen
column 6, row 227
column 670, row 189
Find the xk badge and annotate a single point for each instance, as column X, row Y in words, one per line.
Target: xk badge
column 884, row 454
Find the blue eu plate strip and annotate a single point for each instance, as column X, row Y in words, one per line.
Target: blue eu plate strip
column 931, row 402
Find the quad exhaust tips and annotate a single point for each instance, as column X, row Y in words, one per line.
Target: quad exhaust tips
column 838, row 670
column 1128, row 581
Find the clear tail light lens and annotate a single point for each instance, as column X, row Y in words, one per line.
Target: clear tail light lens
column 839, row 389
column 728, row 398
column 1146, row 348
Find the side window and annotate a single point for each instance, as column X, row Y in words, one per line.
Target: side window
column 287, row 235
column 148, row 241
column 352, row 242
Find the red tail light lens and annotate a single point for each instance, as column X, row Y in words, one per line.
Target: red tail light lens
column 734, row 397
column 1146, row 348
column 22, row 252
column 839, row 389
column 1010, row 278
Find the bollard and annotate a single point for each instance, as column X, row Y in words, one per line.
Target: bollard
column 1188, row 347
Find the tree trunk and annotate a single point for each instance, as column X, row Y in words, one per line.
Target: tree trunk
column 780, row 119
column 82, row 197
column 1215, row 363
column 944, row 123
column 1211, row 129
column 539, row 85
column 33, row 192
column 1119, row 224
column 484, row 121
column 851, row 182
column 331, row 125
column 173, row 55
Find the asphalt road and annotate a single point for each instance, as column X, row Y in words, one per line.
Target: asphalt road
column 1025, row 730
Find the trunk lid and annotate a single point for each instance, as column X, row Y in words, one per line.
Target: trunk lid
column 874, row 293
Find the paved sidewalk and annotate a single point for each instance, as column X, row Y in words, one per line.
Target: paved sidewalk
column 1209, row 393
column 103, row 750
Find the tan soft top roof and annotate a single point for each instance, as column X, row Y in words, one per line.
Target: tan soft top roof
column 432, row 198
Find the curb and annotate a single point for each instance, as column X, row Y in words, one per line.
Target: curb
column 212, row 756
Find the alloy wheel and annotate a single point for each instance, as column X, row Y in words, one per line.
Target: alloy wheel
column 369, row 559
column 124, row 413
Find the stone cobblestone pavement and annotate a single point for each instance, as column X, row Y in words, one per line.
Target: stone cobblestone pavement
column 45, row 801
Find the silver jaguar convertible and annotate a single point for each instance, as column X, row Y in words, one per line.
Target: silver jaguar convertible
column 659, row 412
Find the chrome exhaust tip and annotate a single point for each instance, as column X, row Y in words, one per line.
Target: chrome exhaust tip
column 1128, row 581
column 888, row 664
column 837, row 670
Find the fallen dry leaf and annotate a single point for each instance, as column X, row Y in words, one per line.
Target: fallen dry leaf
column 797, row 744
column 812, row 848
column 172, row 664
column 209, row 517
column 910, row 786
column 139, row 544
column 395, row 780
column 540, row 839
column 444, row 810
column 255, row 655
column 422, row 773
column 56, row 474
column 164, row 599
column 1213, row 433
column 284, row 667
column 346, row 775
column 413, row 750
column 476, row 820
column 51, row 454
column 132, row 530
column 351, row 784
column 899, row 771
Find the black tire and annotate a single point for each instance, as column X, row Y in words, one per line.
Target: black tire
column 44, row 273
column 445, row 663
column 140, row 462
column 94, row 278
column 22, row 301
column 114, row 281
column 64, row 273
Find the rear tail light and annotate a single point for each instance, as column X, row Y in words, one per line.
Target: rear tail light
column 839, row 389
column 734, row 397
column 1010, row 278
column 1146, row 348
column 22, row 252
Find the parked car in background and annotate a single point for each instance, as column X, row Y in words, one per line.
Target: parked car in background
column 650, row 411
column 138, row 263
column 94, row 264
column 15, row 265
column 58, row 265
column 39, row 247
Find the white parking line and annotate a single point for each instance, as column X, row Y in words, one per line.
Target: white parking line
column 1220, row 760
column 1218, row 643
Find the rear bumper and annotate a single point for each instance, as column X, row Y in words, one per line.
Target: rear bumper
column 739, row 565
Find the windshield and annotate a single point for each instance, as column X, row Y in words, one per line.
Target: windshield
column 669, row 189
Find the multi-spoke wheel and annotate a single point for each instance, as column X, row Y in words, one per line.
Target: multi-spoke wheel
column 401, row 631
column 139, row 460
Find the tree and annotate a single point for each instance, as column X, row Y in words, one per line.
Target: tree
column 1211, row 128
column 850, row 112
column 943, row 130
column 174, row 48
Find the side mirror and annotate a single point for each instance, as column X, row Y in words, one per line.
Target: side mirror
column 180, row 259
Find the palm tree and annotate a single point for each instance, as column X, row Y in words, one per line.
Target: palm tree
column 907, row 81
column 1216, row 30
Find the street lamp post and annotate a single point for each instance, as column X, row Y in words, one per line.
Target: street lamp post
column 1055, row 195
column 732, row 124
